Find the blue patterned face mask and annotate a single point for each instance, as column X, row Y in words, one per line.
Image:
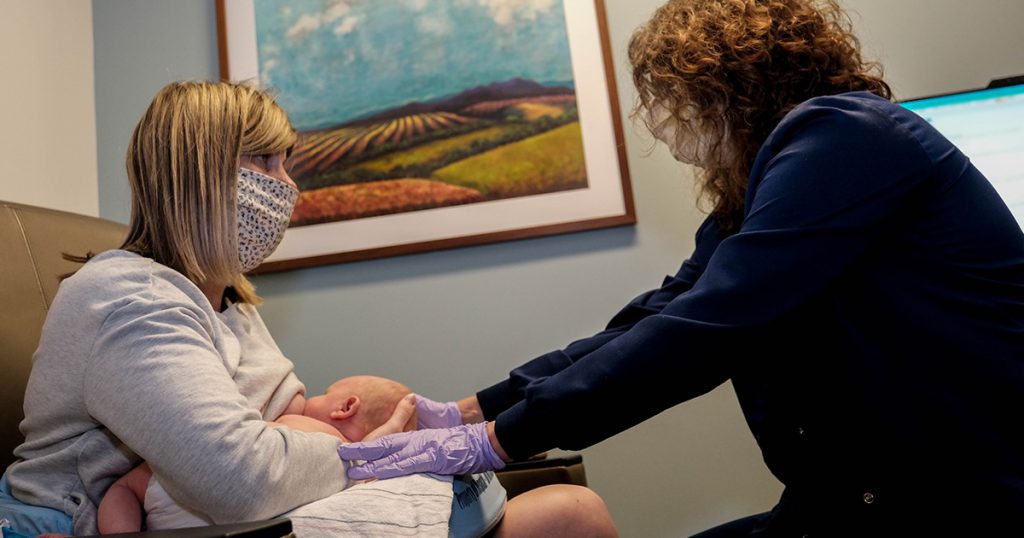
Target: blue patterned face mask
column 265, row 205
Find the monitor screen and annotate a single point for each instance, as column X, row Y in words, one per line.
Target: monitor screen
column 988, row 126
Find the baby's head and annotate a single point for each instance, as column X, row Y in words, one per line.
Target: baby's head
column 358, row 405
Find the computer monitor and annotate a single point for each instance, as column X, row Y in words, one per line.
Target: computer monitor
column 988, row 126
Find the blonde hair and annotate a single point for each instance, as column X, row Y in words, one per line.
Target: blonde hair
column 182, row 163
column 737, row 67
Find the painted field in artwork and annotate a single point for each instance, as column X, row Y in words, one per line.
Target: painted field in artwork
column 432, row 153
column 321, row 151
column 549, row 162
column 361, row 200
column 516, row 138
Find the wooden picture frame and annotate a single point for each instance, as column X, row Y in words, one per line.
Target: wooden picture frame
column 584, row 192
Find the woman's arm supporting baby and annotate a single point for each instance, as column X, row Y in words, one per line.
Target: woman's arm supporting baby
column 365, row 407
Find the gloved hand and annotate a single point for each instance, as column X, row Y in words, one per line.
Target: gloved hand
column 431, row 414
column 460, row 450
column 401, row 415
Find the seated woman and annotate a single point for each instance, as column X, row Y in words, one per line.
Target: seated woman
column 155, row 351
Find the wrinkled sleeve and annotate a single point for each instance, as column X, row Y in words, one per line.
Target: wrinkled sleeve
column 508, row 392
column 820, row 201
column 157, row 382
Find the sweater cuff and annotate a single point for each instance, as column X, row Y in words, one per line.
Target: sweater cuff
column 517, row 436
column 497, row 398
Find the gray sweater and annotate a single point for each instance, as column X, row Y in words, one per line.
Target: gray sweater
column 134, row 363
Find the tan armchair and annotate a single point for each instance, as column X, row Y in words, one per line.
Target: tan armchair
column 32, row 240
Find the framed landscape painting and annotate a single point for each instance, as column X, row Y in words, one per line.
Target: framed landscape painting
column 429, row 124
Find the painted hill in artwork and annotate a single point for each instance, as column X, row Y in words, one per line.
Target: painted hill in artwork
column 516, row 88
column 500, row 140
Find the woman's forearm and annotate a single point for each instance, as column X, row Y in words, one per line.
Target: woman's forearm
column 185, row 415
column 470, row 410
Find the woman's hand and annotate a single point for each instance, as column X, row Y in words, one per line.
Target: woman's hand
column 402, row 415
column 459, row 450
column 431, row 414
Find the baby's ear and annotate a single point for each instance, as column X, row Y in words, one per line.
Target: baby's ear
column 346, row 409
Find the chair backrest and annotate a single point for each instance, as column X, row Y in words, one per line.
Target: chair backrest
column 32, row 240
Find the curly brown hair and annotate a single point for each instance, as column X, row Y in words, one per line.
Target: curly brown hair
column 736, row 67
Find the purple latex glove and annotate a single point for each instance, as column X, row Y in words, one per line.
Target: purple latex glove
column 460, row 450
column 431, row 414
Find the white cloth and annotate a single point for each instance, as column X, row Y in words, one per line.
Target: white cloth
column 163, row 513
column 415, row 505
column 478, row 505
column 418, row 505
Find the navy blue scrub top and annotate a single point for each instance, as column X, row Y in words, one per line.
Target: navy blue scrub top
column 869, row 312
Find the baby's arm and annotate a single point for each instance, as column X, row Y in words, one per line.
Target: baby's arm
column 307, row 424
column 121, row 507
column 294, row 419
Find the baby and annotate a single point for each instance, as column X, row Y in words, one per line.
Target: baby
column 350, row 409
column 353, row 406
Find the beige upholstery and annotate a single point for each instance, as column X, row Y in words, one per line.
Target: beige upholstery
column 31, row 242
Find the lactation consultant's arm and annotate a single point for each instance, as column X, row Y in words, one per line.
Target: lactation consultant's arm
column 489, row 402
column 819, row 201
column 824, row 189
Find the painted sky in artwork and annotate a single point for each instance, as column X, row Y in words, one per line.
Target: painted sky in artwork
column 334, row 61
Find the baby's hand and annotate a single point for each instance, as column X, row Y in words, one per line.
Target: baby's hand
column 403, row 412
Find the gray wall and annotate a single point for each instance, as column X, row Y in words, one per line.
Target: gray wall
column 139, row 47
column 448, row 323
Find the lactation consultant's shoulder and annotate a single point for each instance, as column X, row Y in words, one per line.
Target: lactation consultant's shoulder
column 848, row 116
column 859, row 125
column 874, row 112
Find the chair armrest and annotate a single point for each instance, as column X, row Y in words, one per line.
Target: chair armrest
column 271, row 528
column 521, row 476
